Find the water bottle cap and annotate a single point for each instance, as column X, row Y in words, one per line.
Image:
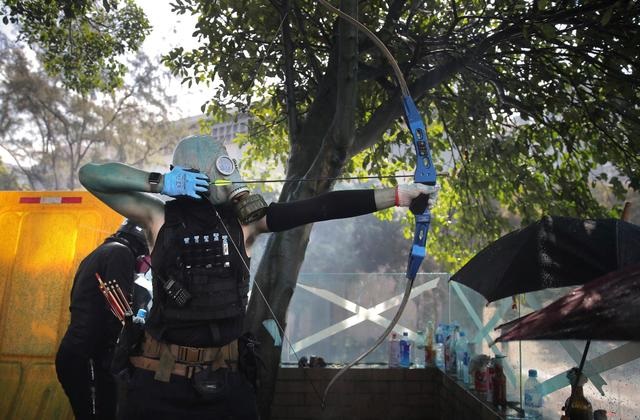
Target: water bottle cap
column 142, row 313
column 462, row 334
column 406, row 334
column 533, row 373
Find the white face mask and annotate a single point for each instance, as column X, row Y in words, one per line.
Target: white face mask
column 210, row 157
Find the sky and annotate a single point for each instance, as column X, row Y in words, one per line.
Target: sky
column 169, row 31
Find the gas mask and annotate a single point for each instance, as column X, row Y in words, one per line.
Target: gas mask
column 208, row 156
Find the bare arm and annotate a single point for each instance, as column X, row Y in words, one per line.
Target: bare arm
column 123, row 188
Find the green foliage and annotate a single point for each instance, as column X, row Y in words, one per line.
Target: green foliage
column 8, row 180
column 525, row 102
column 50, row 131
column 266, row 150
column 80, row 41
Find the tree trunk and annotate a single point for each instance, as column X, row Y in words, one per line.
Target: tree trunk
column 278, row 271
column 276, row 279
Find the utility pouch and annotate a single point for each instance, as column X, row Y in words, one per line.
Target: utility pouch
column 210, row 384
column 248, row 358
column 128, row 343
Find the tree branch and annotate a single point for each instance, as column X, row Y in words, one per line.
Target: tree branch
column 289, row 74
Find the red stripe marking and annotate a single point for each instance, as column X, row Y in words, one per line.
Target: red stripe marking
column 38, row 200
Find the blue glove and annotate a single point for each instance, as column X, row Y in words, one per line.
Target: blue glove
column 185, row 182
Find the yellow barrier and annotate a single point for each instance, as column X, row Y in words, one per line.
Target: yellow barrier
column 43, row 238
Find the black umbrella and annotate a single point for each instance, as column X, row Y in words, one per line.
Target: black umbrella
column 553, row 252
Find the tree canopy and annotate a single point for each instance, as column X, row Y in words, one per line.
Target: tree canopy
column 524, row 101
column 80, row 40
column 50, row 131
column 531, row 106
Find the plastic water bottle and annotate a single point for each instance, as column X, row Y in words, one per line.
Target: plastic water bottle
column 462, row 358
column 405, row 350
column 429, row 349
column 532, row 396
column 446, row 334
column 471, row 353
column 450, row 350
column 139, row 318
column 439, row 347
column 419, row 350
column 394, row 351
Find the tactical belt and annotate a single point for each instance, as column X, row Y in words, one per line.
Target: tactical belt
column 186, row 360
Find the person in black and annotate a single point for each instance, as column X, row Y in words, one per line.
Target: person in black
column 191, row 363
column 84, row 355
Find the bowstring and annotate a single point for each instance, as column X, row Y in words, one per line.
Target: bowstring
column 404, row 89
column 405, row 92
column 285, row 337
column 254, row 73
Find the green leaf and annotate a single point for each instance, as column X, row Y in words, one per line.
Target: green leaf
column 548, row 30
column 607, row 16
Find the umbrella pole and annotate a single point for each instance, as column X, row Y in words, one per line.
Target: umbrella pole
column 584, row 357
column 575, row 384
column 520, row 351
column 626, row 212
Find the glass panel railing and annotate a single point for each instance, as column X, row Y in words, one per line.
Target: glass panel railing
column 612, row 367
column 338, row 316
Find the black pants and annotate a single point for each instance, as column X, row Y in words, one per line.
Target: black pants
column 89, row 386
column 178, row 399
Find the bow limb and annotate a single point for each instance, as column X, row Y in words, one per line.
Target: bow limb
column 383, row 336
column 424, row 173
column 394, row 64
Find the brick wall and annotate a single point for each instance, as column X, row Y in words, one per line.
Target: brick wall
column 372, row 394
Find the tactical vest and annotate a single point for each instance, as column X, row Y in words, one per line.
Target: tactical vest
column 198, row 275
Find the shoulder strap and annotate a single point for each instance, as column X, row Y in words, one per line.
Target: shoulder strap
column 173, row 214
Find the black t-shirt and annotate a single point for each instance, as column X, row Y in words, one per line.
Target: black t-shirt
column 93, row 328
